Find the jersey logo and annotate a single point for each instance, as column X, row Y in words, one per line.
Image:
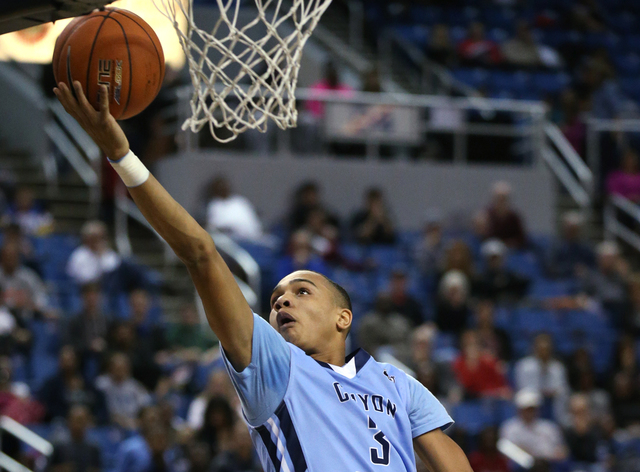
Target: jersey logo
column 392, row 378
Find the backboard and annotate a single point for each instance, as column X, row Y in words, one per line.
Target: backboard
column 19, row 14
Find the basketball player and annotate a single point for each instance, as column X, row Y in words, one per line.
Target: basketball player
column 307, row 406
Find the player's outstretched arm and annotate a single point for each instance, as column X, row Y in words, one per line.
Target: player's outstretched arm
column 440, row 453
column 228, row 313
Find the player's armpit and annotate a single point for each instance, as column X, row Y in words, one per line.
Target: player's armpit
column 440, row 453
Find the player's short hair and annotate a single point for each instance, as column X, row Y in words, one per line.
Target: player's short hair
column 341, row 295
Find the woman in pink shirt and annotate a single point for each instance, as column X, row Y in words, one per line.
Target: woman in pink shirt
column 329, row 82
column 626, row 181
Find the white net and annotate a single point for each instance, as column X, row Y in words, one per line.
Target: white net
column 244, row 71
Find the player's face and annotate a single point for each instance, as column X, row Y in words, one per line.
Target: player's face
column 304, row 311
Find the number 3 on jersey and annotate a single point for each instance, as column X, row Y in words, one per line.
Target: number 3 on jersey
column 379, row 456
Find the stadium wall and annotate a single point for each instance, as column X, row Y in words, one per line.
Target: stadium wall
column 412, row 188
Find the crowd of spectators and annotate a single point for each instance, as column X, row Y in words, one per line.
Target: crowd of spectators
column 519, row 336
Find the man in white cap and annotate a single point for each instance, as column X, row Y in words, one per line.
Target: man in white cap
column 541, row 438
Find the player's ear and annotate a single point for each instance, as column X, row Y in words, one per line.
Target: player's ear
column 345, row 317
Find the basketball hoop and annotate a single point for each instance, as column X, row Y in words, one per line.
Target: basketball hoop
column 241, row 81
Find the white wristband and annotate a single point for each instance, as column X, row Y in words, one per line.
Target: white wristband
column 131, row 170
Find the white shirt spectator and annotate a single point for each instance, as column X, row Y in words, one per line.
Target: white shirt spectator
column 548, row 378
column 234, row 216
column 195, row 415
column 125, row 398
column 86, row 266
column 542, row 438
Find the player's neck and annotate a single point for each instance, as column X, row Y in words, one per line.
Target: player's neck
column 332, row 355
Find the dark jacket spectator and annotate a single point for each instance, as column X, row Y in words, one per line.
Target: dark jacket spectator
column 582, row 436
column 570, row 254
column 218, row 427
column 306, row 199
column 372, row 224
column 497, row 283
column 77, row 454
column 401, row 300
column 440, row 49
column 504, row 222
column 487, row 458
column 67, row 388
column 493, row 341
column 452, row 307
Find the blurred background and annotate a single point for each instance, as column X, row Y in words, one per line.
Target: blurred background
column 468, row 171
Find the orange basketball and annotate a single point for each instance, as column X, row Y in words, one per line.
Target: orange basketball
column 116, row 48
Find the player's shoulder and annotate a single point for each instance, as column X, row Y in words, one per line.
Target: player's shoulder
column 392, row 372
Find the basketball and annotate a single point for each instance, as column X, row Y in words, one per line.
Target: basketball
column 116, row 48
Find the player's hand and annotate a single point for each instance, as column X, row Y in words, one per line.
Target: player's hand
column 100, row 124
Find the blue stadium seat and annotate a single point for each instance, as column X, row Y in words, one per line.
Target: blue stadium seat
column 627, row 64
column 547, row 288
column 415, row 34
column 550, row 82
column 472, row 416
column 426, row 15
column 107, row 439
column 472, row 77
column 534, row 320
column 524, row 263
column 500, row 18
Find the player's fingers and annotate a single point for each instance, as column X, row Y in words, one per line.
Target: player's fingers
column 66, row 99
column 82, row 99
column 104, row 102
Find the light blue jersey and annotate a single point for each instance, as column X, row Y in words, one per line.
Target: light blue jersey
column 306, row 415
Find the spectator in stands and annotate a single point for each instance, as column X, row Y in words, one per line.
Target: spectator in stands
column 230, row 213
column 28, row 215
column 307, row 198
column 632, row 314
column 67, row 387
column 24, row 291
column 458, row 257
column 582, row 379
column 372, row 224
column 493, row 341
column 452, row 305
column 521, row 50
column 187, row 338
column 402, row 301
column 13, row 234
column 139, row 453
column 147, row 328
column 626, row 181
column 125, row 396
column 587, row 16
column 87, row 331
column 571, row 121
column 124, row 339
column 440, row 48
column 15, row 337
column 430, row 249
column 476, row 50
column 487, row 458
column 541, row 438
column 218, row 385
column 607, row 99
column 504, row 221
column 625, row 398
column 546, row 375
column 497, row 283
column 434, row 373
column 608, row 282
column 331, row 82
column 198, row 457
column 384, row 327
column 480, row 232
column 583, row 437
column 240, row 456
column 77, row 454
column 94, row 258
column 219, row 422
column 478, row 372
column 570, row 254
column 301, row 255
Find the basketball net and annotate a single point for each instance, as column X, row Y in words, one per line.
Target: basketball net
column 263, row 87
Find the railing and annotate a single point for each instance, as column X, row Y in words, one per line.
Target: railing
column 613, row 227
column 429, row 77
column 23, row 433
column 77, row 148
